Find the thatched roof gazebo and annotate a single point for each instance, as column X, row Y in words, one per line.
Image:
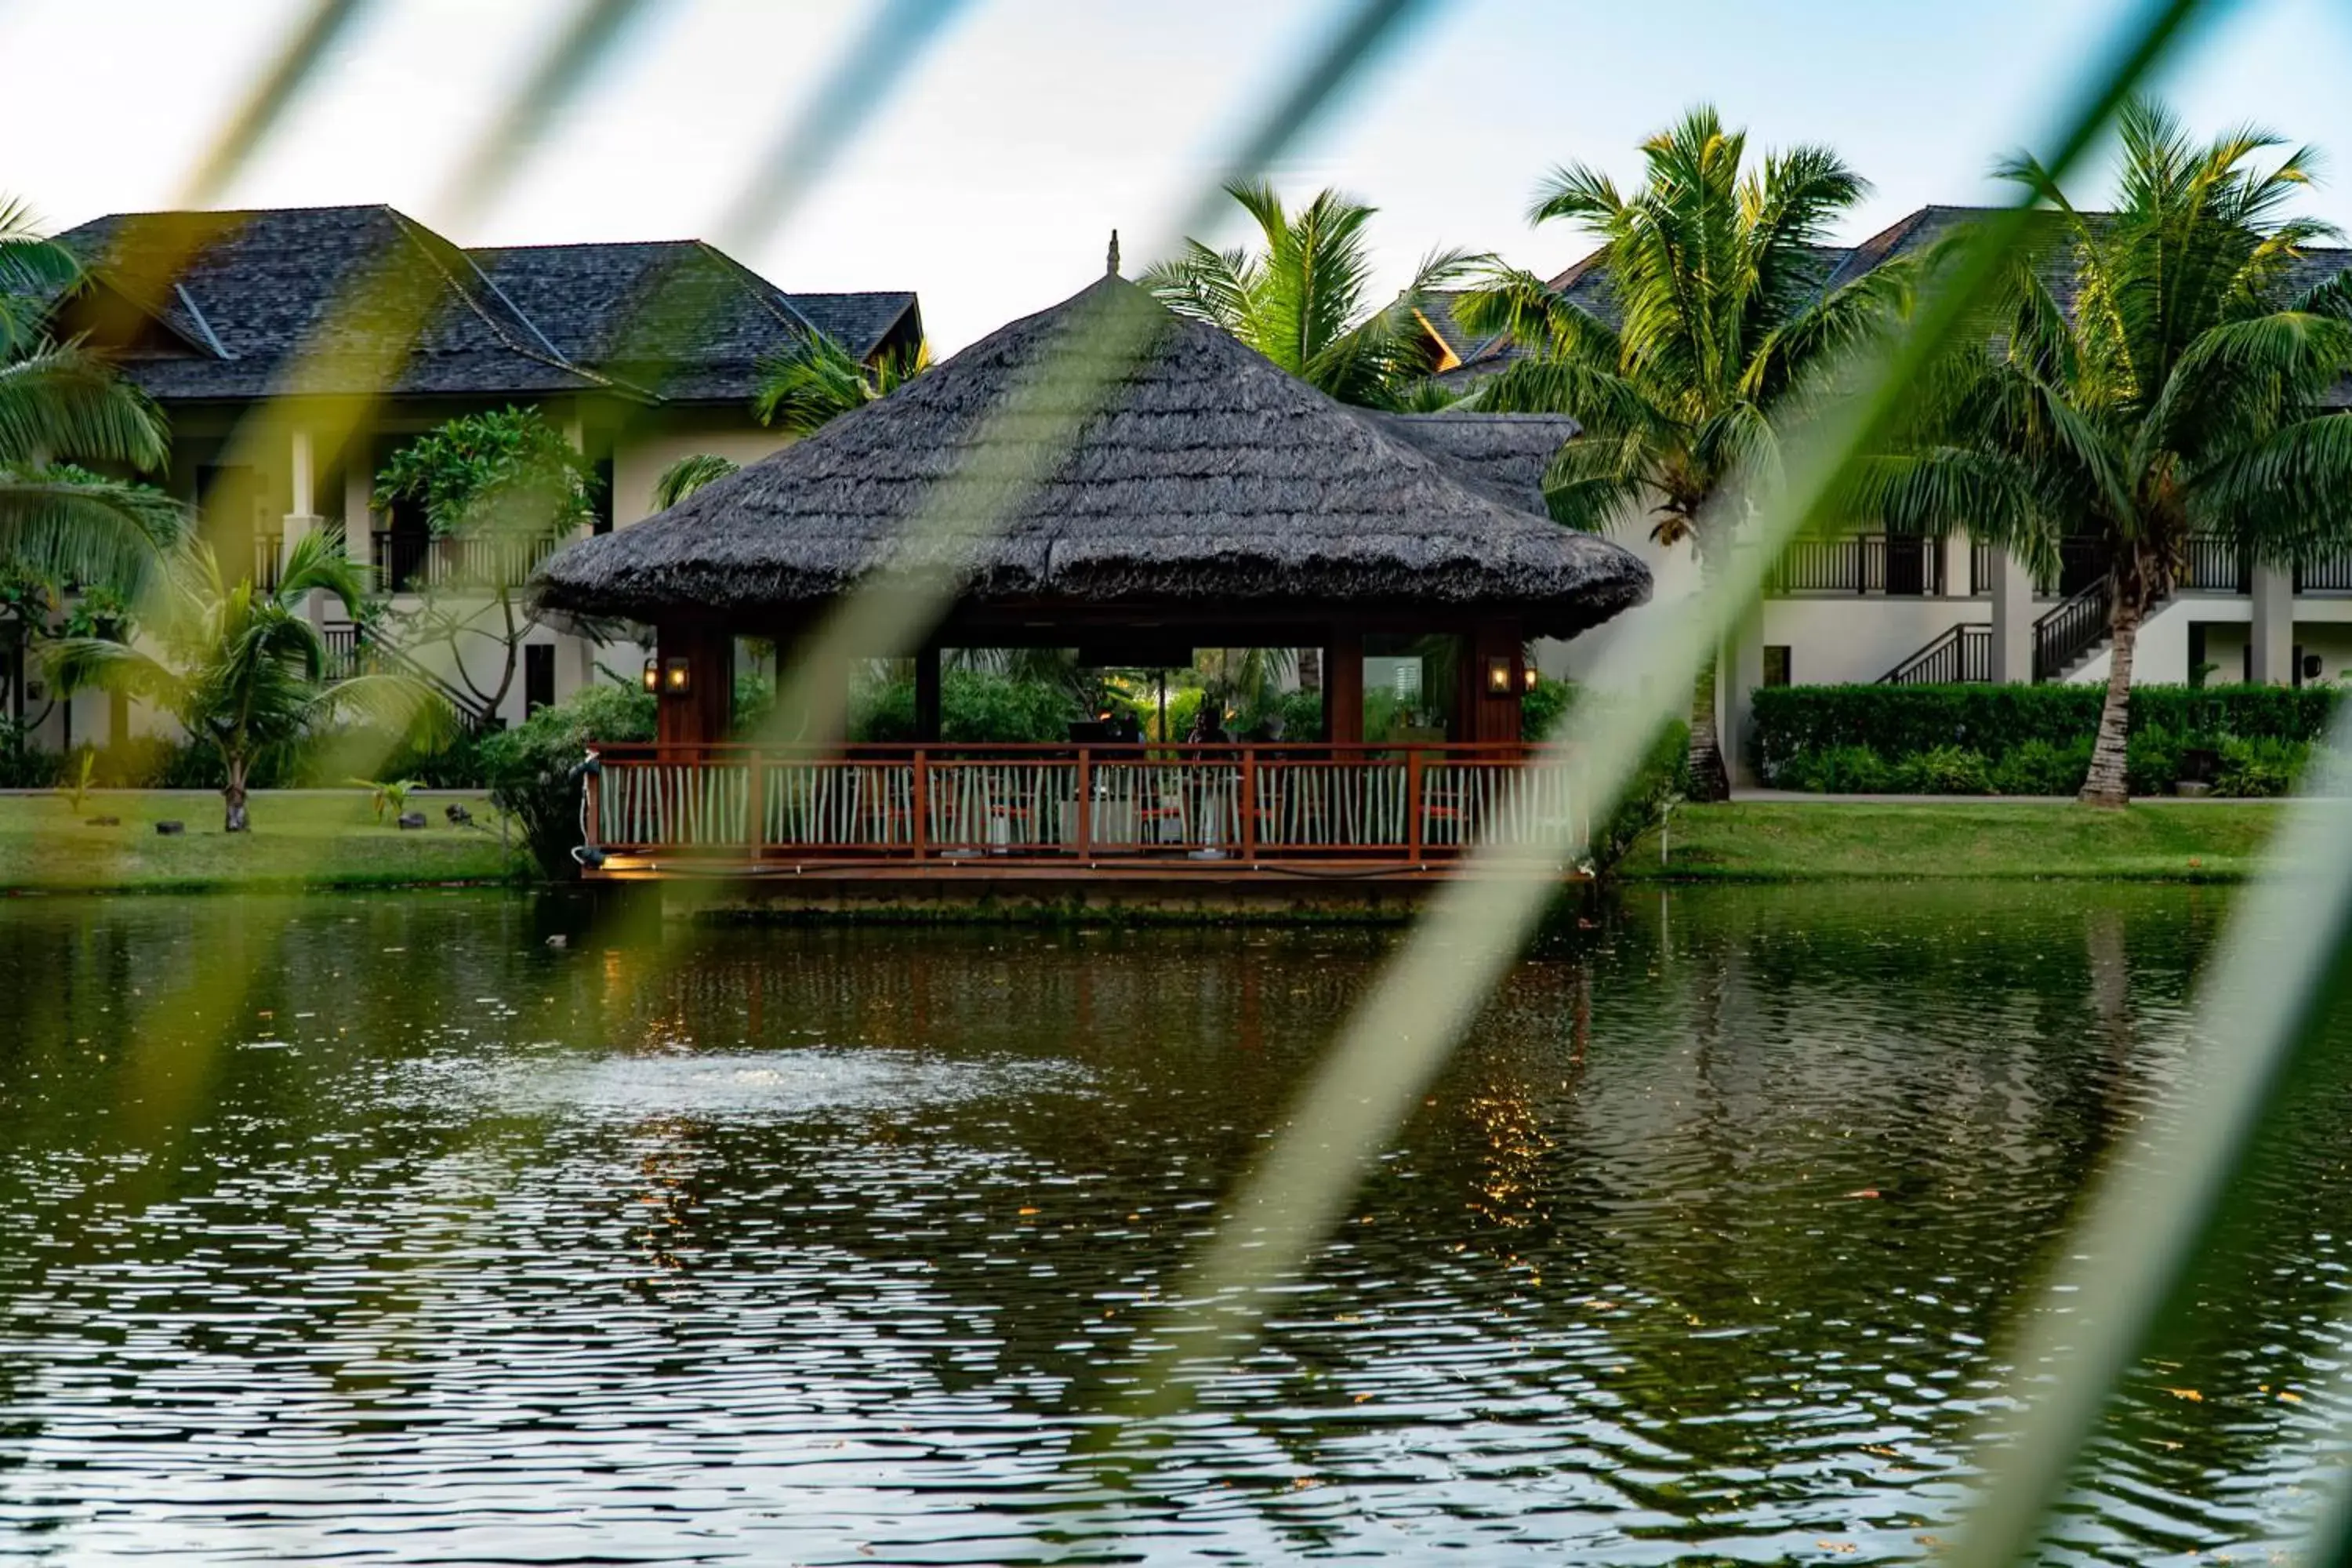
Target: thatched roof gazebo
column 1077, row 492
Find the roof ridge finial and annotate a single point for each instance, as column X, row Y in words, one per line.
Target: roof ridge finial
column 1110, row 261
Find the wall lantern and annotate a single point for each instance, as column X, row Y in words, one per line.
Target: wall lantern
column 675, row 678
column 653, row 675
column 1498, row 675
column 1528, row 679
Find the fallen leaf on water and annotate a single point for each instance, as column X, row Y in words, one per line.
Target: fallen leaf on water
column 2187, row 1393
column 1864, row 1193
column 1028, row 1211
column 1835, row 1545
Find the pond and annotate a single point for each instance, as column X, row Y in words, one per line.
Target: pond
column 377, row 1228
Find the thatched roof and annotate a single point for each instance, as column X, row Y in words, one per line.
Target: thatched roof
column 1200, row 477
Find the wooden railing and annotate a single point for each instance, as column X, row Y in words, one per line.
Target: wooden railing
column 1101, row 808
column 1962, row 653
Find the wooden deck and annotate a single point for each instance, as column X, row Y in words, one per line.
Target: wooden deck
column 1103, row 814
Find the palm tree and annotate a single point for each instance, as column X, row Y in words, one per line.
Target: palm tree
column 246, row 672
column 60, row 404
column 817, row 381
column 2181, row 396
column 1716, row 279
column 1302, row 302
column 801, row 391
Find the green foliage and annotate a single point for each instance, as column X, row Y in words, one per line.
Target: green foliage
column 1542, row 711
column 77, row 786
column 533, row 772
column 2259, row 765
column 688, row 475
column 1302, row 302
column 2025, row 740
column 1660, row 784
column 508, row 471
column 244, row 669
column 975, row 706
column 387, row 796
column 817, row 381
column 2040, row 767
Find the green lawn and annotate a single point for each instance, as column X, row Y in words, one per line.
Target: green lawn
column 298, row 839
column 2217, row 841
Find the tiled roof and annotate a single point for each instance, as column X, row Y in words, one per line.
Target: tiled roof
column 293, row 299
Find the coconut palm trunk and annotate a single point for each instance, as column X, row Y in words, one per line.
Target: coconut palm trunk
column 233, row 819
column 1710, row 781
column 2109, row 782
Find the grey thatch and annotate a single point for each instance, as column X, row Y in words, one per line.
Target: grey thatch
column 1200, row 477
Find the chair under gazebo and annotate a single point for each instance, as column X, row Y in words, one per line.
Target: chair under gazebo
column 1138, row 505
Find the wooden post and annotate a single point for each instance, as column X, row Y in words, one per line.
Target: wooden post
column 1413, row 811
column 1491, row 718
column 1249, row 803
column 1343, row 686
column 755, row 801
column 919, row 809
column 700, row 714
column 1086, row 803
column 927, row 693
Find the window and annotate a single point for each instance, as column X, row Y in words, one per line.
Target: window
column 1775, row 664
column 538, row 677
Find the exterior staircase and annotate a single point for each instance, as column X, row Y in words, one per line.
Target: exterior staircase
column 2069, row 635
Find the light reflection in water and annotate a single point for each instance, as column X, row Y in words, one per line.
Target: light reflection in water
column 823, row 1245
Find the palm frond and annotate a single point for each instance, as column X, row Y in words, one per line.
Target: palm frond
column 78, row 664
column 688, row 475
column 59, row 402
column 72, row 526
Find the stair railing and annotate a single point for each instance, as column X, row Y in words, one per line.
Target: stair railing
column 2075, row 626
column 1963, row 653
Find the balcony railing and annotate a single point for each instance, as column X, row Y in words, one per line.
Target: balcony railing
column 1179, row 810
column 1860, row 563
column 2330, row 575
column 268, row 552
column 406, row 560
column 2215, row 566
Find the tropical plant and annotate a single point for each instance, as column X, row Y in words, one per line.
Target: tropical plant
column 688, row 475
column 1714, row 280
column 387, row 795
column 2182, row 395
column 1303, row 300
column 61, row 404
column 506, row 486
column 77, row 790
column 244, row 673
column 818, row 380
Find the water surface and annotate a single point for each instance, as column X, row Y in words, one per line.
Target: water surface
column 374, row 1228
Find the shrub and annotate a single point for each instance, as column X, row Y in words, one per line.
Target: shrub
column 975, row 707
column 1839, row 770
column 533, row 772
column 2259, row 765
column 1662, row 778
column 1943, row 770
column 1542, row 711
column 2039, row 767
column 2151, row 761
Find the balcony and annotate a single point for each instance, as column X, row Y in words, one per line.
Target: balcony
column 1892, row 564
column 408, row 561
column 1232, row 813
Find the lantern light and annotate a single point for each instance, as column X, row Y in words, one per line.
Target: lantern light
column 675, row 678
column 1498, row 675
column 653, row 675
column 1527, row 677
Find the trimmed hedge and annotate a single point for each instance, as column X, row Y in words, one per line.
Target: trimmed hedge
column 1800, row 722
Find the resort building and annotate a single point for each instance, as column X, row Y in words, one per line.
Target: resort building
column 1871, row 607
column 295, row 349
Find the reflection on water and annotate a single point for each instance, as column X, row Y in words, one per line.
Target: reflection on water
column 377, row 1228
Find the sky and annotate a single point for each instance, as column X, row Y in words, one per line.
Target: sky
column 989, row 174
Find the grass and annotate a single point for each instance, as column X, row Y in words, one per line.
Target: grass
column 2148, row 841
column 299, row 840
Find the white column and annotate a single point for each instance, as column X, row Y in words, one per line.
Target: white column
column 358, row 495
column 2012, row 618
column 2273, row 629
column 301, row 512
column 1956, row 546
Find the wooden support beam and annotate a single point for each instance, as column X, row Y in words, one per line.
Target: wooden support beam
column 696, row 680
column 1491, row 652
column 1343, row 684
